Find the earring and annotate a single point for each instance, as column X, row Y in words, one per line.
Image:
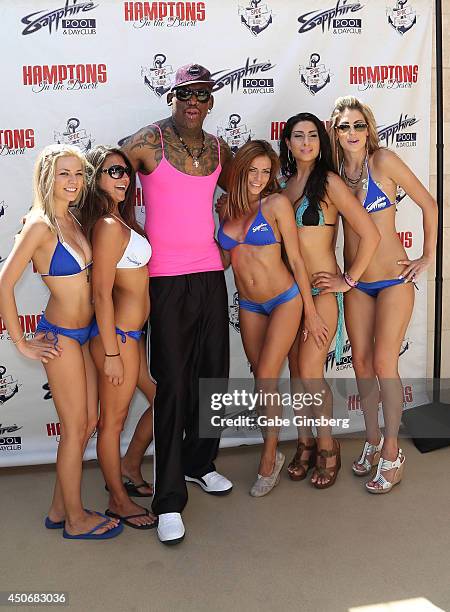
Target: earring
column 209, row 110
column 320, row 155
column 291, row 159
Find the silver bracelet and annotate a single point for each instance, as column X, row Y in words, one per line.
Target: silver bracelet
column 17, row 341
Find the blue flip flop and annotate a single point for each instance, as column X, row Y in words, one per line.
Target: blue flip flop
column 61, row 524
column 54, row 524
column 90, row 535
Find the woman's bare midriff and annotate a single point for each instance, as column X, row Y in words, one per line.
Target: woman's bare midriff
column 70, row 304
column 317, row 249
column 259, row 272
column 131, row 298
column 383, row 265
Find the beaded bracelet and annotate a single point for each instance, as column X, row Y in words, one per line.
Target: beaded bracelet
column 349, row 280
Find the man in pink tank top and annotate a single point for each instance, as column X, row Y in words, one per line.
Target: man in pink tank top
column 179, row 166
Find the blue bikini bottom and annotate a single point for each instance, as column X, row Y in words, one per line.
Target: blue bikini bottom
column 265, row 308
column 373, row 289
column 81, row 335
column 123, row 334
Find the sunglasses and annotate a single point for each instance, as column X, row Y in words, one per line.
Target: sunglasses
column 184, row 94
column 360, row 126
column 117, row 171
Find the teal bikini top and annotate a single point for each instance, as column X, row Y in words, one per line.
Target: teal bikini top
column 308, row 216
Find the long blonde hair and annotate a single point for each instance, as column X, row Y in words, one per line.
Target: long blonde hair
column 44, row 181
column 352, row 103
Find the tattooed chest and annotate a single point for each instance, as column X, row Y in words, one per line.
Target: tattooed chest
column 195, row 161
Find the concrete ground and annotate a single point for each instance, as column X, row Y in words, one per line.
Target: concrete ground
column 298, row 549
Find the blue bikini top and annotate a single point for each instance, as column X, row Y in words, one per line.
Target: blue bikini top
column 260, row 233
column 309, row 216
column 375, row 199
column 65, row 260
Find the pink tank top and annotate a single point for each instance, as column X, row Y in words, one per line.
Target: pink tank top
column 179, row 221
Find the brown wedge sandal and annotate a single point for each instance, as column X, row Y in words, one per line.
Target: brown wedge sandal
column 329, row 472
column 299, row 467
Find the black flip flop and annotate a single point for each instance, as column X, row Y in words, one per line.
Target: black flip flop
column 133, row 489
column 125, row 521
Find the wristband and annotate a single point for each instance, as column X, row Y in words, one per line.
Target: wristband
column 349, row 280
column 17, row 341
column 115, row 355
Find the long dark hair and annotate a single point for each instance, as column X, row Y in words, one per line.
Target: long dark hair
column 316, row 184
column 98, row 203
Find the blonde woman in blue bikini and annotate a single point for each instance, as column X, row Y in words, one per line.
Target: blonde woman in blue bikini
column 54, row 241
column 379, row 307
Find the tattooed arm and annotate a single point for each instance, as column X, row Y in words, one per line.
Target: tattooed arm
column 143, row 149
column 226, row 158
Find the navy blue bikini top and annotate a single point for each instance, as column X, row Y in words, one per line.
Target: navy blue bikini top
column 65, row 260
column 375, row 199
column 260, row 233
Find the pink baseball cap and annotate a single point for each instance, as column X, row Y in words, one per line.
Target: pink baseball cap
column 192, row 73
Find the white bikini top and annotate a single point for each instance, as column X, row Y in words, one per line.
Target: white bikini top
column 137, row 252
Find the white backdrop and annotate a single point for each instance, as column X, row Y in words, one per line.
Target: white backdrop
column 91, row 72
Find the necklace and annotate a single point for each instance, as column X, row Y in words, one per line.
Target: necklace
column 350, row 181
column 195, row 158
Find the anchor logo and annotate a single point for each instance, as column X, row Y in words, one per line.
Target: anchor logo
column 235, row 134
column 315, row 76
column 400, row 18
column 158, row 78
column 8, row 386
column 256, row 18
column 74, row 136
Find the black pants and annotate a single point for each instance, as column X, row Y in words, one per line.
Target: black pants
column 189, row 340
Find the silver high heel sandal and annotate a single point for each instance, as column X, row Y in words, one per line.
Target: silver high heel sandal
column 383, row 466
column 265, row 484
column 363, row 466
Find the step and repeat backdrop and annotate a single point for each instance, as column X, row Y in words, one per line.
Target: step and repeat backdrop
column 91, row 72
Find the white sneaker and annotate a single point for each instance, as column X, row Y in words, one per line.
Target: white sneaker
column 170, row 528
column 213, row 483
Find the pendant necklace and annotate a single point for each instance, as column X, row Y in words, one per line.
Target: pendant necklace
column 350, row 181
column 195, row 158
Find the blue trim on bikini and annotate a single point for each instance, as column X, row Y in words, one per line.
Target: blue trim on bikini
column 300, row 212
